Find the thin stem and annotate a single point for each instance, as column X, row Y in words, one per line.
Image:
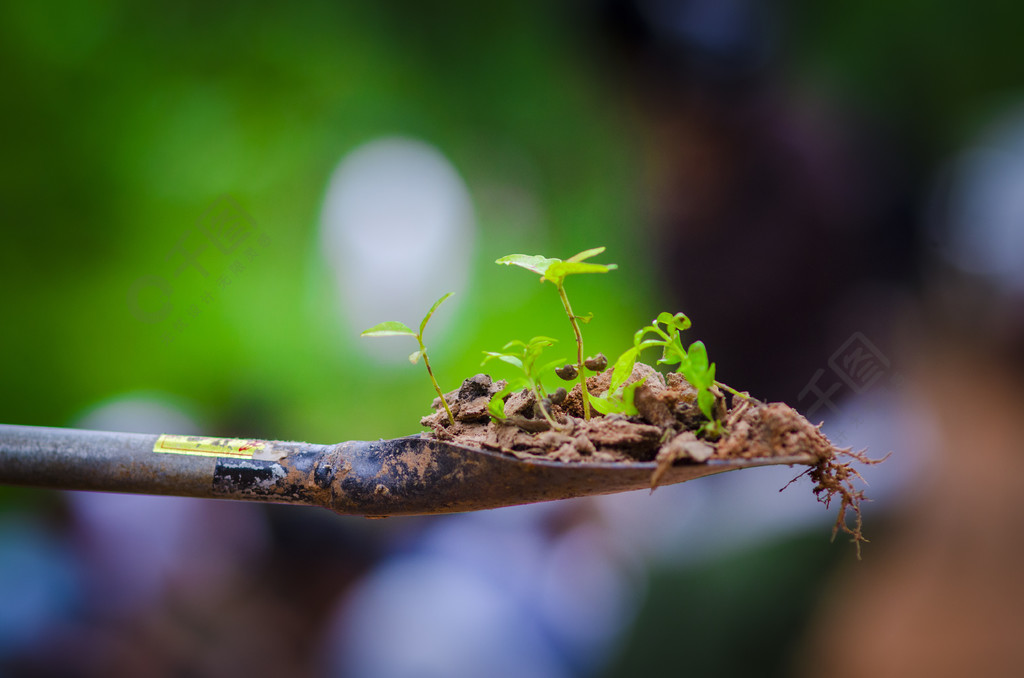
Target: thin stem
column 730, row 389
column 579, row 351
column 543, row 410
column 426, row 361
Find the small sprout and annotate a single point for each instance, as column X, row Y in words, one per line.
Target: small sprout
column 524, row 356
column 555, row 271
column 597, row 363
column 693, row 363
column 558, row 397
column 393, row 328
column 566, row 372
column 496, row 405
column 712, row 430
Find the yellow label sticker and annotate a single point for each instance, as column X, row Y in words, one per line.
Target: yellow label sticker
column 202, row 446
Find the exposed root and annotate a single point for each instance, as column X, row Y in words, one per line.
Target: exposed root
column 833, row 478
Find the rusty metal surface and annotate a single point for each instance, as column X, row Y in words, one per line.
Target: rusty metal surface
column 406, row 476
column 416, row 475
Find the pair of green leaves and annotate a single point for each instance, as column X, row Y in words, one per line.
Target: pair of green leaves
column 393, row 328
column 523, row 356
column 556, row 270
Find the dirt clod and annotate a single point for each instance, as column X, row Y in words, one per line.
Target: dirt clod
column 684, row 447
column 475, row 387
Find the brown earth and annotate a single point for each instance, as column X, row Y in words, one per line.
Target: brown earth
column 666, row 426
column 666, row 431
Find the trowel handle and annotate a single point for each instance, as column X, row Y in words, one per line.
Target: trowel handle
column 186, row 466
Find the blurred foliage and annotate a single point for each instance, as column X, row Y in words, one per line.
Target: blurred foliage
column 129, row 121
column 740, row 615
column 934, row 72
column 125, row 122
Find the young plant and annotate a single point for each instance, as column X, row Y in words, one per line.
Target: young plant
column 393, row 328
column 693, row 363
column 555, row 271
column 524, row 356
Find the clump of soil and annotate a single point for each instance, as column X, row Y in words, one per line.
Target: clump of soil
column 667, row 431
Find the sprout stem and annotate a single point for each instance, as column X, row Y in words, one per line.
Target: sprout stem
column 543, row 410
column 579, row 348
column 730, row 389
column 426, row 361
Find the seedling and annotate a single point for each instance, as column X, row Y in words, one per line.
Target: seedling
column 393, row 328
column 524, row 356
column 667, row 433
column 693, row 363
column 555, row 271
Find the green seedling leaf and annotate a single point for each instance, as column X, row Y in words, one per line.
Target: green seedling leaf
column 557, row 271
column 713, row 428
column 640, row 343
column 629, row 393
column 392, row 328
column 646, row 344
column 496, row 405
column 531, row 262
column 623, row 368
column 585, row 319
column 679, row 321
column 706, row 401
column 522, row 355
column 503, row 357
column 699, row 357
column 603, row 404
column 620, row 401
column 586, row 254
column 389, row 328
column 673, row 352
column 535, row 343
column 426, row 318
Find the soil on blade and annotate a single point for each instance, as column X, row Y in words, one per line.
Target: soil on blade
column 666, row 430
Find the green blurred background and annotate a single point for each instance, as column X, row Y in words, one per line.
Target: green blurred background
column 126, row 123
column 123, row 124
